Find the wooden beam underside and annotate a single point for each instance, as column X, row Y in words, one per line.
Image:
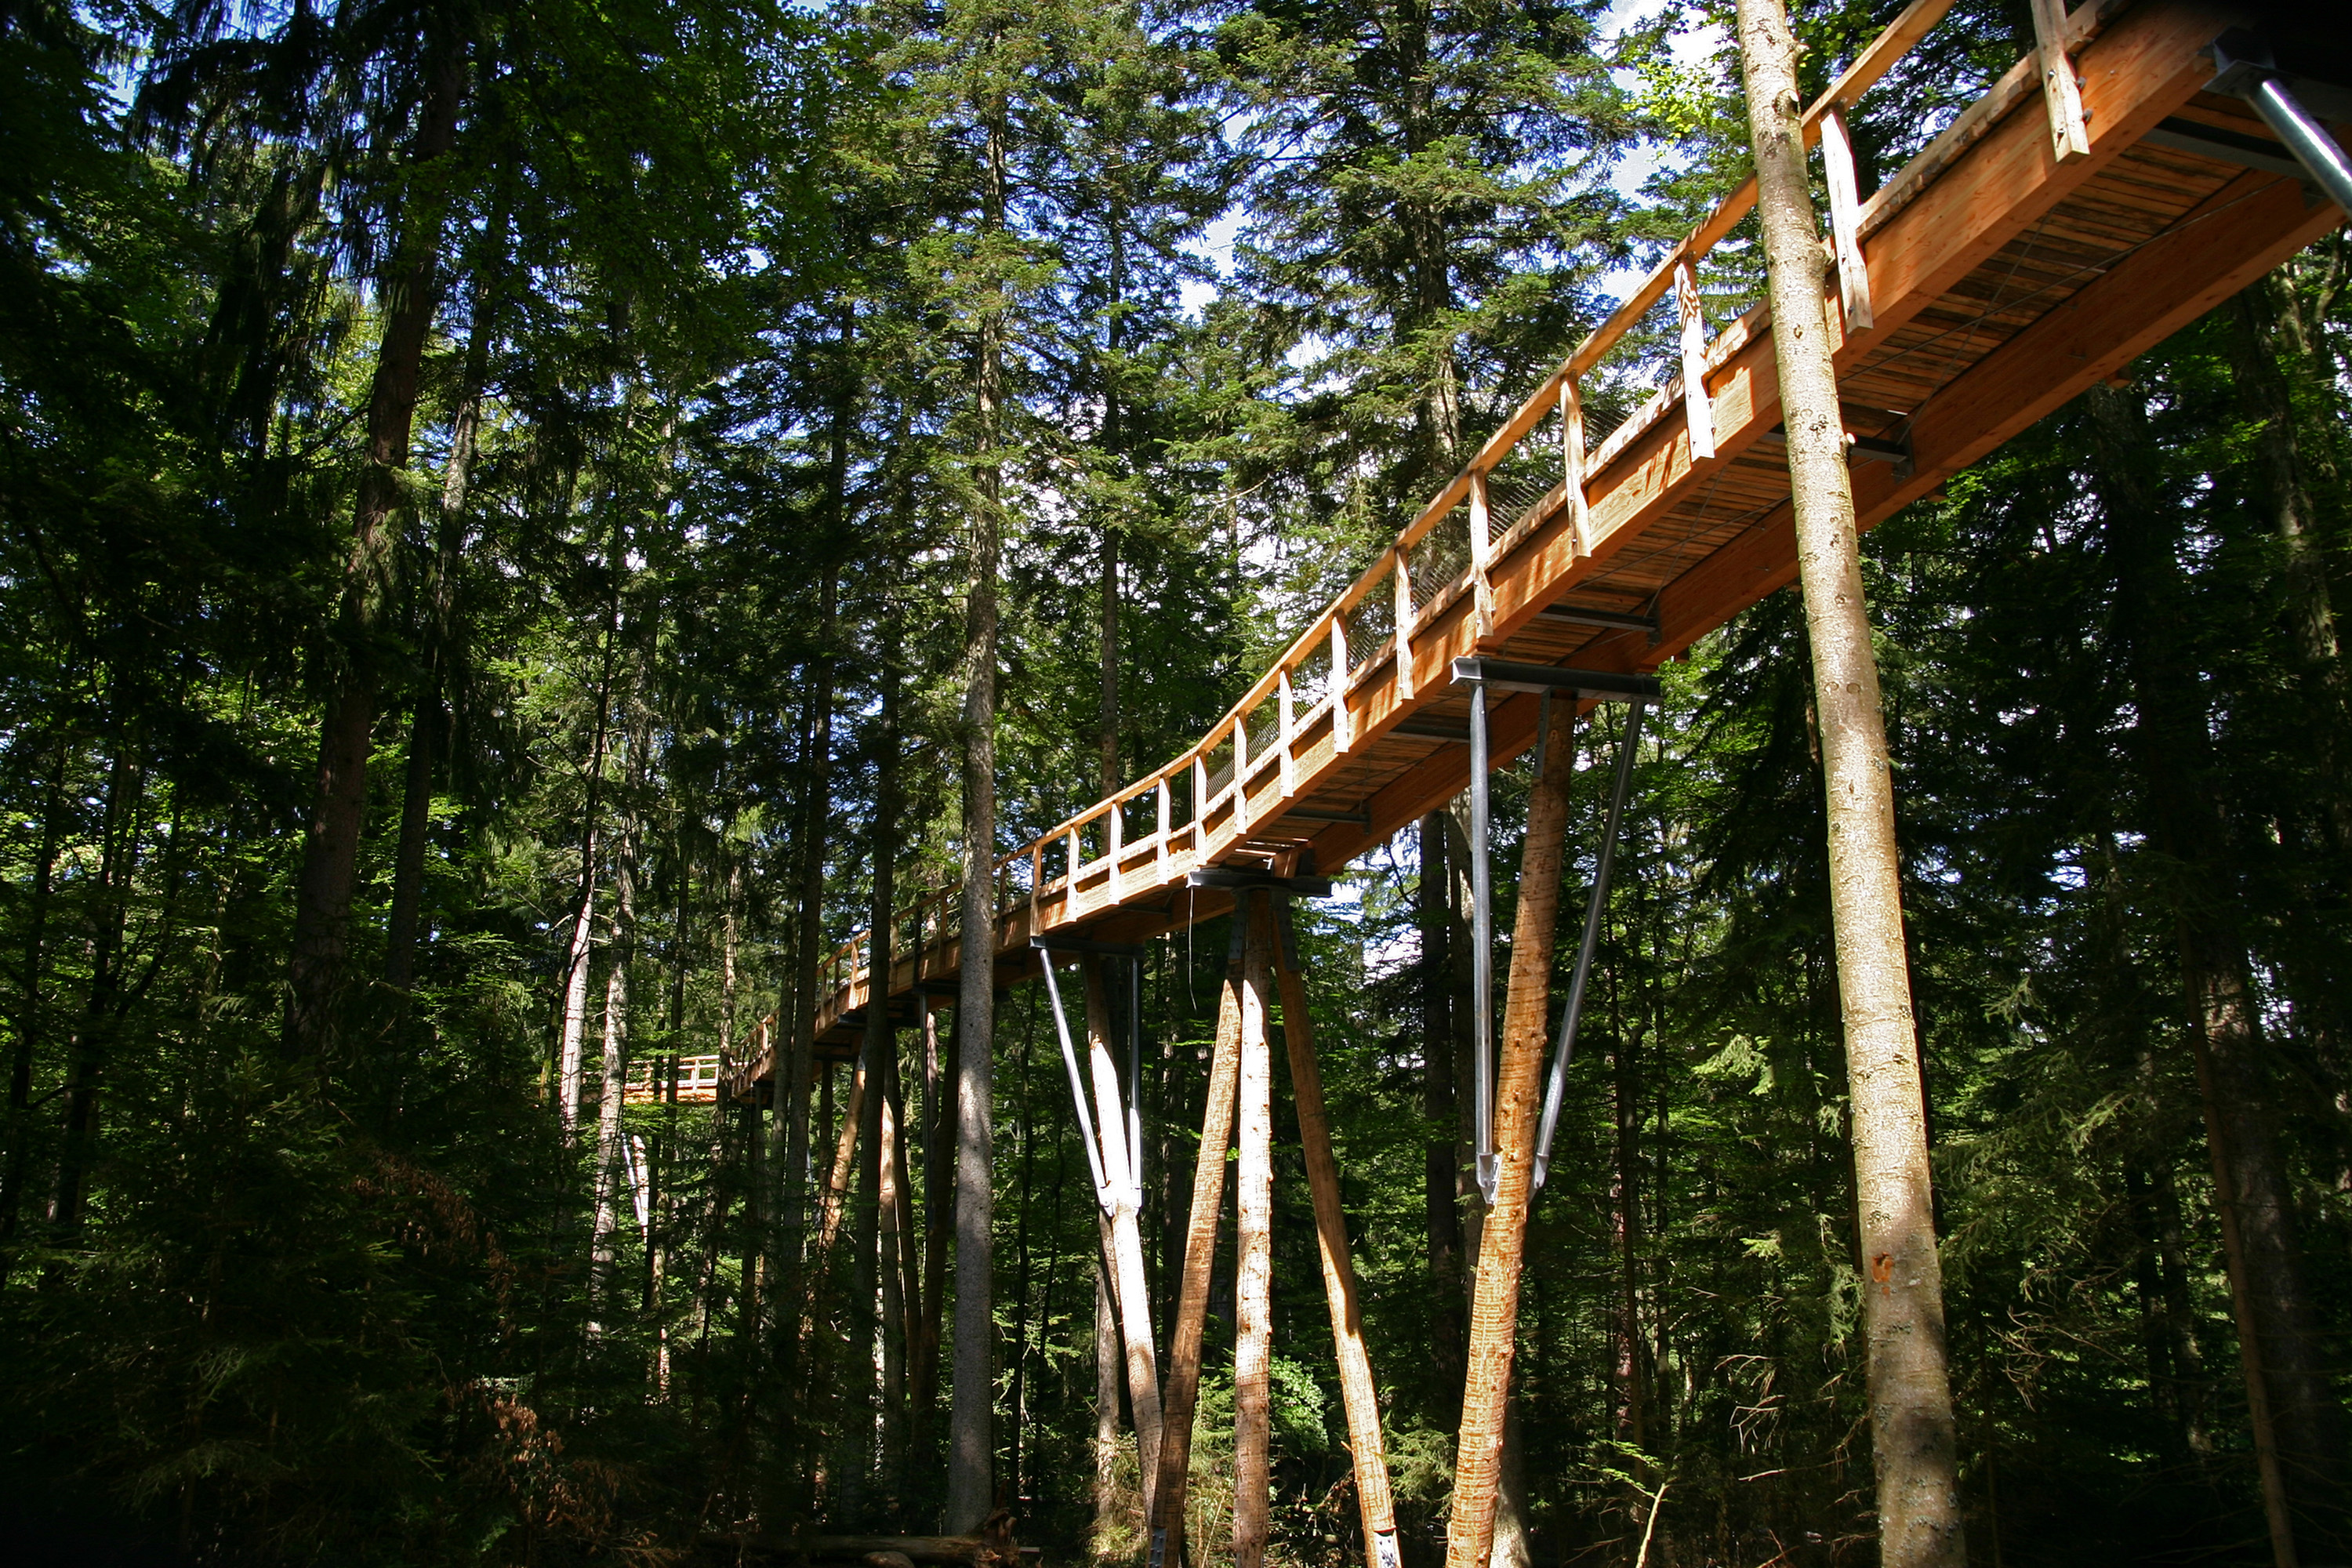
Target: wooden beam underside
column 2001, row 283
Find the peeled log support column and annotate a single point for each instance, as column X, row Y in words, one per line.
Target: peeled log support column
column 1912, row 1436
column 1253, row 1289
column 1130, row 1295
column 1494, row 1297
column 1357, row 1389
column 1183, row 1392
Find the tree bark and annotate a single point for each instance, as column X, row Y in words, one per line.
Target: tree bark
column 30, row 1020
column 1254, row 1224
column 1130, row 1295
column 1913, row 1440
column 971, row 1417
column 1441, row 1154
column 2297, row 1441
column 329, row 873
column 88, row 1048
column 604, row 1251
column 1358, row 1395
column 1479, row 1455
column 429, row 718
column 1182, row 1394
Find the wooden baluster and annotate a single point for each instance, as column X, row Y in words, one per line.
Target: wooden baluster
column 1845, row 222
column 1070, row 861
column 1159, row 839
column 1403, row 639
column 1482, row 546
column 1343, row 728
column 1287, row 773
column 1698, row 409
column 1240, row 776
column 1571, row 466
column 2062, row 94
column 1199, row 805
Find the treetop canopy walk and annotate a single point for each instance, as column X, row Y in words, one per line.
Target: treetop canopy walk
column 2107, row 192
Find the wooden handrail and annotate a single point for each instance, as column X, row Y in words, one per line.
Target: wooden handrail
column 1556, row 394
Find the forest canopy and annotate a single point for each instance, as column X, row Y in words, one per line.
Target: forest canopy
column 525, row 528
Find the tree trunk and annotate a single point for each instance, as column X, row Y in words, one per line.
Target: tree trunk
column 1441, row 1154
column 1625, row 1226
column 971, row 1419
column 605, row 1249
column 1182, row 1394
column 31, row 1024
column 1106, row 1406
column 1912, row 1436
column 429, row 716
column 2292, row 1409
column 794, row 1065
column 1358, row 1395
column 1254, row 1224
column 86, row 1049
column 572, row 1026
column 1472, row 1534
column 1131, row 1292
column 939, row 1222
column 329, row 873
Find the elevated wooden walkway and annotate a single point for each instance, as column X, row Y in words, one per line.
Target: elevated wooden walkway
column 2043, row 241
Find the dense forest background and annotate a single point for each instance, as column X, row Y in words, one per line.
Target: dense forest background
column 586, row 426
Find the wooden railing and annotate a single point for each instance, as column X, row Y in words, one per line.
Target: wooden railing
column 1089, row 862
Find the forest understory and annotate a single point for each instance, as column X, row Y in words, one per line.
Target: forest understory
column 523, row 528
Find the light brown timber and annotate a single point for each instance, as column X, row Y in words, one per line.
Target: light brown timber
column 1254, row 1282
column 1912, row 1440
column 1182, row 1392
column 1495, row 1300
column 1358, row 1393
column 1132, row 1294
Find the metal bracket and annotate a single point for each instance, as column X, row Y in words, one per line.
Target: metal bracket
column 1556, row 1083
column 1106, row 1196
column 1479, row 674
column 1363, row 819
column 2226, row 146
column 1895, row 453
column 1242, row 879
column 1501, row 675
column 1084, row 944
column 1611, row 620
column 2246, row 66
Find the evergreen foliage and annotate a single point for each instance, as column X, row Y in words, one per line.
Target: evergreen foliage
column 656, row 648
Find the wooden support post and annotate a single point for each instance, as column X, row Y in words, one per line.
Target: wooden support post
column 1845, row 222
column 2062, row 92
column 1132, row 1294
column 1571, row 465
column 1495, row 1297
column 1402, row 565
column 1698, row 409
column 1342, row 733
column 1253, row 1284
column 1183, row 1390
column 1357, row 1389
column 1482, row 550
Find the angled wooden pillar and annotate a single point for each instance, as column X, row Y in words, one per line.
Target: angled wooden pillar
column 1182, row 1395
column 1254, row 1283
column 1132, row 1295
column 1494, row 1296
column 1359, row 1394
